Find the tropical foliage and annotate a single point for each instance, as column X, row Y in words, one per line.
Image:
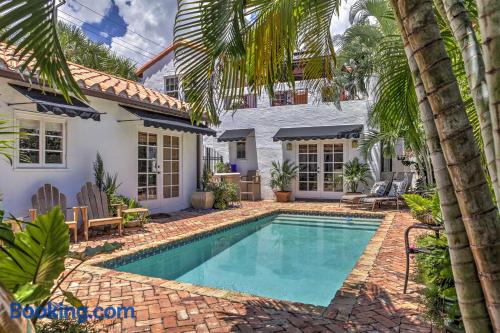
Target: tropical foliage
column 282, row 175
column 32, row 260
column 42, row 51
column 424, row 209
column 356, row 173
column 78, row 48
column 434, row 271
column 6, row 144
column 224, row 192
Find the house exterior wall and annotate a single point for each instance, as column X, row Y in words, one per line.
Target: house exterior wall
column 154, row 76
column 268, row 120
column 115, row 141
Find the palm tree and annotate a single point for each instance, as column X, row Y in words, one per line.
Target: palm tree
column 469, row 292
column 457, row 18
column 489, row 14
column 78, row 48
column 461, row 152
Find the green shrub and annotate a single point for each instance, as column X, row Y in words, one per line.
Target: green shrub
column 224, row 193
column 424, row 209
column 434, row 271
column 222, row 167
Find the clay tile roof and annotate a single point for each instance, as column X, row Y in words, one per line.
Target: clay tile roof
column 92, row 79
column 157, row 58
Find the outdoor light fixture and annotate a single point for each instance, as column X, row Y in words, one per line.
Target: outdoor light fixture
column 354, row 144
column 289, row 146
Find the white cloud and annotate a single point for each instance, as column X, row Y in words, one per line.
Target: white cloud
column 84, row 14
column 151, row 19
column 341, row 23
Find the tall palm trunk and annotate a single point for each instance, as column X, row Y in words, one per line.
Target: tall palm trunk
column 469, row 292
column 460, row 149
column 489, row 24
column 460, row 24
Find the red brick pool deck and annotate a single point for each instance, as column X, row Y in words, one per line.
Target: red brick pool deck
column 371, row 299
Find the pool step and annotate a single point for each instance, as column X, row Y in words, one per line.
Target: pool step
column 328, row 226
column 335, row 224
column 322, row 219
column 328, row 218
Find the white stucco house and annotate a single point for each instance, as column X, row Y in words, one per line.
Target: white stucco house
column 304, row 127
column 143, row 136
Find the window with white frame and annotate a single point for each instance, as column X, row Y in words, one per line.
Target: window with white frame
column 41, row 143
column 172, row 86
column 241, row 153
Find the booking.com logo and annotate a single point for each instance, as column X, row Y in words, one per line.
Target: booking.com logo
column 61, row 311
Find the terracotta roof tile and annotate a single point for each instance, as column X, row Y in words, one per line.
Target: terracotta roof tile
column 96, row 80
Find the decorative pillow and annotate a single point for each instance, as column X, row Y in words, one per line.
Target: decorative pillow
column 397, row 188
column 379, row 188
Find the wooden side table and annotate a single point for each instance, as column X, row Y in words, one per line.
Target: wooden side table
column 142, row 213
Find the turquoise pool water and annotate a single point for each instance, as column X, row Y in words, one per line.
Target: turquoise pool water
column 290, row 257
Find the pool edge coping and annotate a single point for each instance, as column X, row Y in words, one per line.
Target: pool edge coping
column 340, row 306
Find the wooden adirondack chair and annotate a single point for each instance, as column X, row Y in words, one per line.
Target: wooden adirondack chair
column 46, row 198
column 95, row 211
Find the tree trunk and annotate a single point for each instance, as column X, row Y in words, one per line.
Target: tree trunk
column 463, row 159
column 455, row 13
column 470, row 295
column 489, row 24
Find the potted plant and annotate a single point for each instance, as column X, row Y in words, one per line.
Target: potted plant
column 203, row 198
column 355, row 173
column 281, row 177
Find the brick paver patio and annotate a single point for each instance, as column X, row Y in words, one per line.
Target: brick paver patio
column 371, row 299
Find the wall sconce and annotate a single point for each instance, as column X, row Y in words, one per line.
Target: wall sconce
column 354, row 144
column 289, row 146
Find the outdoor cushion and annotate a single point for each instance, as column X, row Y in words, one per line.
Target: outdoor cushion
column 379, row 188
column 398, row 187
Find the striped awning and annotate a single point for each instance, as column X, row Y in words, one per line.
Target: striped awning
column 319, row 133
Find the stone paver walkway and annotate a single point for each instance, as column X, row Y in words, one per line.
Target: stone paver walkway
column 371, row 300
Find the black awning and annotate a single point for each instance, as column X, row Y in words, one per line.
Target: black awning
column 319, row 133
column 235, row 135
column 165, row 121
column 55, row 103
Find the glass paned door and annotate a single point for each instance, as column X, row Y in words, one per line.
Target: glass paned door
column 147, row 166
column 333, row 163
column 308, row 167
column 171, row 158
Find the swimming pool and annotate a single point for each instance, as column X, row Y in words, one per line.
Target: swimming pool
column 298, row 258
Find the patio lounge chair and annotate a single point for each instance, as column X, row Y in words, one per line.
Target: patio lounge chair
column 95, row 211
column 250, row 185
column 400, row 185
column 379, row 188
column 46, row 198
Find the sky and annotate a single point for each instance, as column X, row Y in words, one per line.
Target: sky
column 140, row 29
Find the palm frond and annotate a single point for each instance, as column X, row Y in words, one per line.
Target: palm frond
column 396, row 106
column 31, row 26
column 78, row 48
column 226, row 45
column 362, row 10
column 7, row 130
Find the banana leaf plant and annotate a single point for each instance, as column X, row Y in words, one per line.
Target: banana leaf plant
column 32, row 260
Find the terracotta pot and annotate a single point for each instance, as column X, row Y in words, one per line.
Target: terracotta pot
column 283, row 196
column 202, row 200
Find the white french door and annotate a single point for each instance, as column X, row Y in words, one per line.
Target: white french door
column 320, row 169
column 159, row 167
